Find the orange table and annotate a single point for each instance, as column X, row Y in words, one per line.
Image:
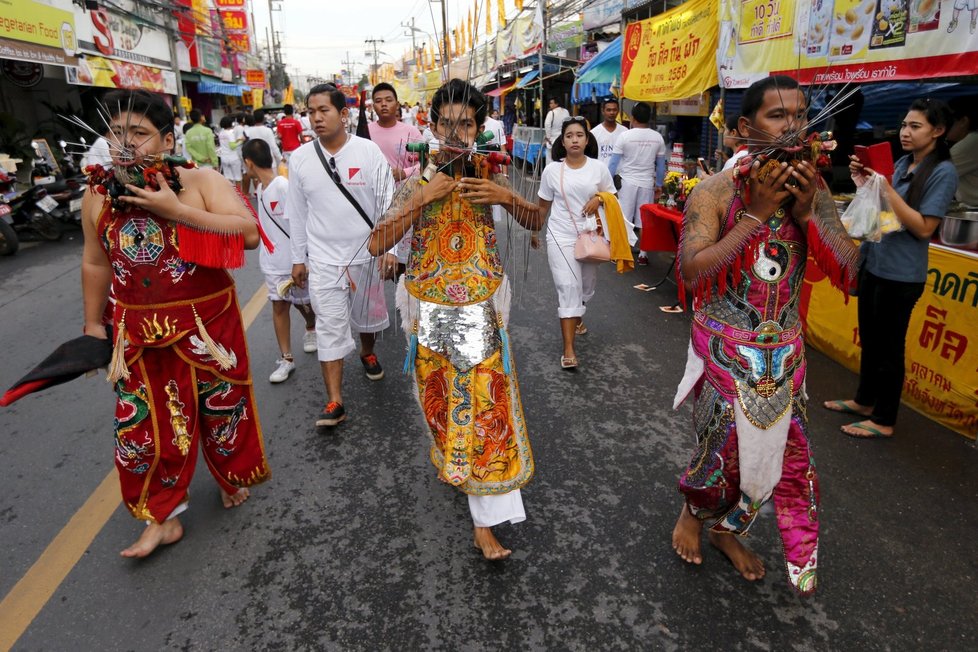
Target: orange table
column 661, row 227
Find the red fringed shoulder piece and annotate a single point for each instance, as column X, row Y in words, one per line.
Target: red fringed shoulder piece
column 209, row 248
column 216, row 249
column 261, row 232
column 838, row 261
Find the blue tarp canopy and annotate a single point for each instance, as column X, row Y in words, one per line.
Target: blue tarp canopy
column 530, row 76
column 596, row 76
column 217, row 87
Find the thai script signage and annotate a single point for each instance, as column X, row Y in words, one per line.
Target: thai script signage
column 671, row 56
column 941, row 378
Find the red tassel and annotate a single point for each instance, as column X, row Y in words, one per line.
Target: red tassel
column 220, row 250
column 736, row 270
column 261, row 232
column 837, row 273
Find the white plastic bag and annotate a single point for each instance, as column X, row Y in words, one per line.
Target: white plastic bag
column 862, row 218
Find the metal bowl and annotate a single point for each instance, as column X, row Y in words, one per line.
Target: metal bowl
column 960, row 230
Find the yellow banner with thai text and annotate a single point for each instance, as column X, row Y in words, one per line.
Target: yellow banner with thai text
column 941, row 379
column 671, row 56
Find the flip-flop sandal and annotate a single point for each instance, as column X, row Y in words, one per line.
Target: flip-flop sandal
column 580, row 329
column 873, row 432
column 675, row 309
column 568, row 363
column 840, row 406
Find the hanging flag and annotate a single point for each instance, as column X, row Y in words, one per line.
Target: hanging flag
column 519, row 4
column 489, row 17
column 501, row 16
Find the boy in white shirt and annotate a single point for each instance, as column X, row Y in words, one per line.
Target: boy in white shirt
column 277, row 265
column 339, row 186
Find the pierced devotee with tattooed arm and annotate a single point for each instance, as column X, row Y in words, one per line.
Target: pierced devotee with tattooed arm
column 158, row 235
column 746, row 234
column 454, row 302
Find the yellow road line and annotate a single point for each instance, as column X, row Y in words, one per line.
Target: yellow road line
column 24, row 602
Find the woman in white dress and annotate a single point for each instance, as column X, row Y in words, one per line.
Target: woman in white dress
column 228, row 150
column 569, row 188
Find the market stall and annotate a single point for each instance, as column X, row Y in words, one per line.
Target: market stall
column 941, row 380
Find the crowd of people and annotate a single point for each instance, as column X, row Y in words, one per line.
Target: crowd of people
column 356, row 211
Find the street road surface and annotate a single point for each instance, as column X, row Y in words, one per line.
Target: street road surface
column 355, row 545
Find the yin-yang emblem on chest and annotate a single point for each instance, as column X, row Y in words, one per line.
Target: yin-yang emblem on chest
column 772, row 261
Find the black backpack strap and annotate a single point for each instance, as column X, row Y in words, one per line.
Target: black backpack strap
column 339, row 184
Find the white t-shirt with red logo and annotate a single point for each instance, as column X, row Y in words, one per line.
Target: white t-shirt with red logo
column 325, row 225
column 275, row 223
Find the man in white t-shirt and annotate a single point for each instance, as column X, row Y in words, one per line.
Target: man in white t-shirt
column 392, row 135
column 639, row 158
column 330, row 230
column 276, row 265
column 608, row 131
column 255, row 128
column 98, row 154
column 498, row 131
column 553, row 124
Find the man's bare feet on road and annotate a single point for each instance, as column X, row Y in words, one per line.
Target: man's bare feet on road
column 154, row 536
column 746, row 562
column 486, row 541
column 235, row 499
column 686, row 537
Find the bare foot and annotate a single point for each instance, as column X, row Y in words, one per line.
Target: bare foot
column 235, row 499
column 686, row 537
column 154, row 536
column 486, row 541
column 746, row 562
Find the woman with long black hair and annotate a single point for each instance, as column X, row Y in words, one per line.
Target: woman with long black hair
column 893, row 270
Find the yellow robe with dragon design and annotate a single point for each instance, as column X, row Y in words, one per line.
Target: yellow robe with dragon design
column 454, row 300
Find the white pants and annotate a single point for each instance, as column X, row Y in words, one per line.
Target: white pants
column 631, row 198
column 345, row 298
column 488, row 511
column 575, row 281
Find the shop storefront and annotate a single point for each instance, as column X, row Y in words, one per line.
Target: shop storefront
column 37, row 42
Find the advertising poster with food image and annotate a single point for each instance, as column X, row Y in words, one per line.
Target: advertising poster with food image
column 847, row 41
column 851, row 28
column 925, row 15
column 890, row 24
column 815, row 39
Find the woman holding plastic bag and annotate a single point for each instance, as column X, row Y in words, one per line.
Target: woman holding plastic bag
column 894, row 269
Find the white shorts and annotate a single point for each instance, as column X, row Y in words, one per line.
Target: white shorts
column 575, row 281
column 295, row 295
column 345, row 298
column 970, row 5
column 231, row 169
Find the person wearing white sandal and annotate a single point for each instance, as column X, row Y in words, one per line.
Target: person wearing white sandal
column 277, row 264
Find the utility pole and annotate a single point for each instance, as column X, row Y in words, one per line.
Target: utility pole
column 373, row 42
column 277, row 81
column 444, row 31
column 350, row 73
column 543, row 46
column 414, row 45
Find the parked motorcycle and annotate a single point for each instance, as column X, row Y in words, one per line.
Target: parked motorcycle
column 65, row 191
column 29, row 211
column 9, row 242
